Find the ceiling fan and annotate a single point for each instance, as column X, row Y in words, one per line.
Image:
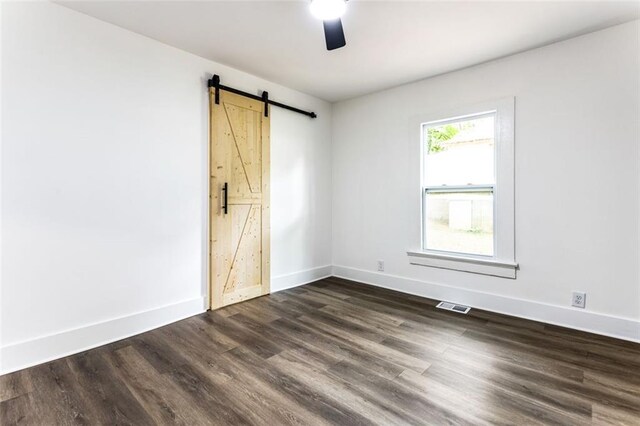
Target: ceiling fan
column 330, row 12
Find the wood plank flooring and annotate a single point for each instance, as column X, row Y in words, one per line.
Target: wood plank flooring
column 336, row 352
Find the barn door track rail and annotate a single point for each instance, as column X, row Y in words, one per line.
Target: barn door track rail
column 215, row 83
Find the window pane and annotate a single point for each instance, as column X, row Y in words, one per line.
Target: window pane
column 459, row 222
column 459, row 153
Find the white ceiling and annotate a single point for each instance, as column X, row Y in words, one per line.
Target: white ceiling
column 388, row 42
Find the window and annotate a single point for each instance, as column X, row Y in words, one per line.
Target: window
column 459, row 182
column 467, row 184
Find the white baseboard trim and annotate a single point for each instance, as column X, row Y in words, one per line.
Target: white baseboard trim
column 20, row 355
column 17, row 356
column 284, row 282
column 607, row 325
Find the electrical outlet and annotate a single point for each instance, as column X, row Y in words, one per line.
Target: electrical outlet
column 578, row 299
column 380, row 265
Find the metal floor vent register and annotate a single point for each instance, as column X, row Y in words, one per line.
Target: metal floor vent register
column 461, row 309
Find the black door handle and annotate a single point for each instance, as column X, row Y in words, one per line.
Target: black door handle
column 225, row 188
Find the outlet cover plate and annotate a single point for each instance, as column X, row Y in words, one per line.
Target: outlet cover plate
column 578, row 299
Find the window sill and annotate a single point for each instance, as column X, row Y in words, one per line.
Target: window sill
column 494, row 267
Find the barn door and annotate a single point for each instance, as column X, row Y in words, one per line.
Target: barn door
column 239, row 195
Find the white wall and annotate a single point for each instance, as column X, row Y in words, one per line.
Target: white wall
column 104, row 183
column 577, row 183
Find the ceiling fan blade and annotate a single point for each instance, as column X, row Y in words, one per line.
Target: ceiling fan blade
column 334, row 34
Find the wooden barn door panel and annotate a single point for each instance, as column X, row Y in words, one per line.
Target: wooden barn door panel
column 240, row 237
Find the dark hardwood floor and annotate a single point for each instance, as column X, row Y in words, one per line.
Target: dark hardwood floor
column 336, row 352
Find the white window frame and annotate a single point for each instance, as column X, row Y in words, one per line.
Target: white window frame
column 502, row 263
